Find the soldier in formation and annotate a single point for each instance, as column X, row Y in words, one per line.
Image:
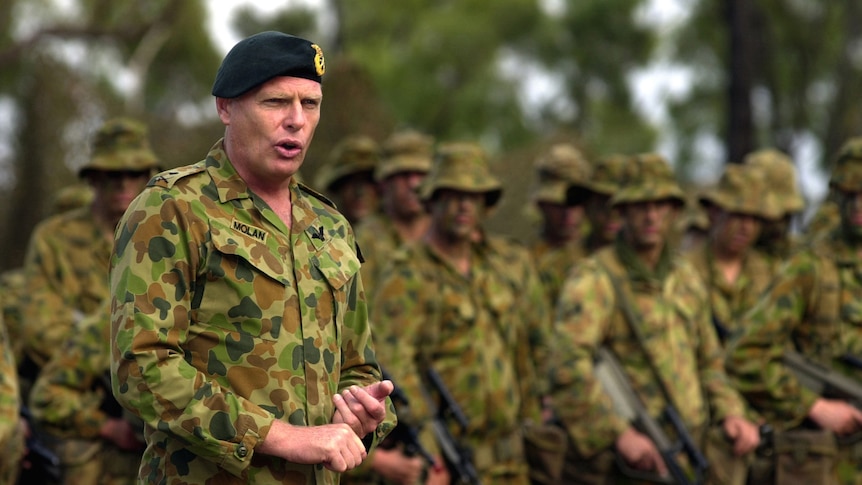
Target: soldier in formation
column 651, row 311
column 812, row 308
column 348, row 177
column 443, row 296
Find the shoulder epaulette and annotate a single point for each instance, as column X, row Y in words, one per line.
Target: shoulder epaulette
column 168, row 178
column 317, row 195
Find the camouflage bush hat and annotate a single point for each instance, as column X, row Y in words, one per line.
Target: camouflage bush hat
column 405, row 151
column 261, row 57
column 847, row 173
column 780, row 175
column 353, row 154
column 742, row 190
column 647, row 177
column 606, row 175
column 563, row 167
column 120, row 145
column 465, row 167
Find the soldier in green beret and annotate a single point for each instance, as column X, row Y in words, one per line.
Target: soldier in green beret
column 240, row 330
column 651, row 310
column 734, row 271
column 453, row 303
column 813, row 306
column 348, row 177
column 559, row 173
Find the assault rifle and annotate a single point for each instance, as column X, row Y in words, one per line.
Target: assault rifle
column 458, row 457
column 610, row 373
column 405, row 433
column 45, row 466
column 826, row 382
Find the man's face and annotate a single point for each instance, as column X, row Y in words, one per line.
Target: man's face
column 732, row 232
column 270, row 128
column 851, row 214
column 114, row 191
column 400, row 194
column 356, row 196
column 456, row 215
column 647, row 225
column 604, row 219
column 561, row 221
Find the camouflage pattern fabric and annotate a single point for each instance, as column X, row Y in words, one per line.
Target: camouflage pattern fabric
column 66, row 278
column 554, row 264
column 121, row 145
column 224, row 320
column 472, row 331
column 678, row 337
column 729, row 302
column 378, row 240
column 11, row 437
column 354, row 154
column 12, row 293
column 814, row 305
column 69, row 400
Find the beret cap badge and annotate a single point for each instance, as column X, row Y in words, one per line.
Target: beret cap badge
column 319, row 63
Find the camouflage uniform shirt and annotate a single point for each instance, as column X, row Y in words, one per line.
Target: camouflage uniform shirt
column 224, row 320
column 11, row 437
column 377, row 239
column 554, row 264
column 673, row 308
column 814, row 306
column 730, row 301
column 66, row 279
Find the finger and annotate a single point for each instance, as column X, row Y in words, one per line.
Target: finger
column 371, row 405
column 344, row 413
column 379, row 390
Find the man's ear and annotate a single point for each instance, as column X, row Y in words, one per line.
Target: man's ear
column 223, row 109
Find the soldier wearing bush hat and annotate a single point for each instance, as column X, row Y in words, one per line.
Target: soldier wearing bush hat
column 405, row 160
column 810, row 307
column 255, row 279
column 604, row 219
column 348, row 177
column 776, row 239
column 68, row 258
column 627, row 299
column 735, row 272
column 559, row 192
column 451, row 290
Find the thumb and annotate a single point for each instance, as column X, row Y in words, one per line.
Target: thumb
column 379, row 390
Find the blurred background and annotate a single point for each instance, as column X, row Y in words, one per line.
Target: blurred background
column 701, row 81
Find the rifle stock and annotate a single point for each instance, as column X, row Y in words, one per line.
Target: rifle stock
column 627, row 403
column 44, row 463
column 458, row 457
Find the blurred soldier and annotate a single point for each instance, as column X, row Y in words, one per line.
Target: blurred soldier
column 12, row 282
column 406, row 159
column 450, row 303
column 11, row 426
column 348, row 177
column 72, row 399
column 776, row 237
column 652, row 312
column 559, row 172
column 814, row 308
column 604, row 219
column 68, row 258
column 734, row 272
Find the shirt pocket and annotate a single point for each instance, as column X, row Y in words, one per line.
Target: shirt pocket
column 244, row 288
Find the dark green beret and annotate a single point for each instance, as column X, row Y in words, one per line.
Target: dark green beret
column 261, row 57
